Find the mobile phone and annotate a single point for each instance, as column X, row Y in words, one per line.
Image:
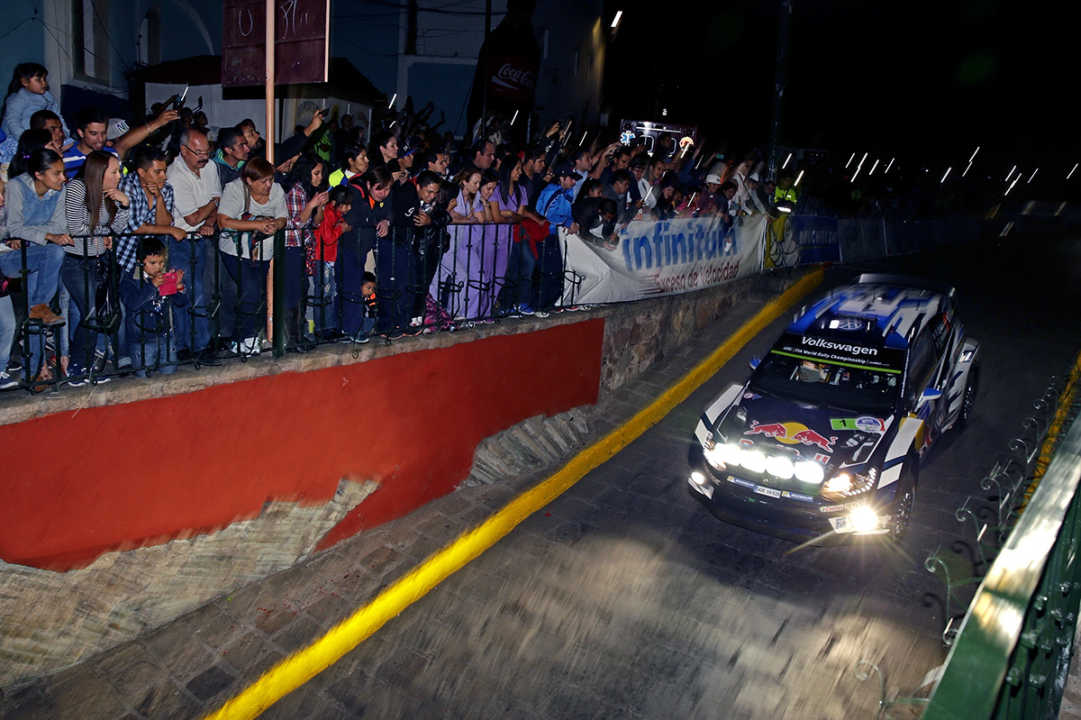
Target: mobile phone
column 169, row 284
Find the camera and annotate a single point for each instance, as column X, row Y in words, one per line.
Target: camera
column 169, row 284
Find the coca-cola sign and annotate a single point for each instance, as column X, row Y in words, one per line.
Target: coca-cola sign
column 515, row 79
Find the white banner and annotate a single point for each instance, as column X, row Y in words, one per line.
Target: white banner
column 657, row 258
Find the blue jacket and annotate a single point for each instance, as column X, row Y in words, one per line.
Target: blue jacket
column 17, row 111
column 555, row 203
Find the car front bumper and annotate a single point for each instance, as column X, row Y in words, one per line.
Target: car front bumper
column 737, row 498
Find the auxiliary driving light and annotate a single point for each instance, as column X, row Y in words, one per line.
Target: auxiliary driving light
column 780, row 466
column 863, row 519
column 808, row 472
column 753, row 460
column 840, row 483
column 698, row 478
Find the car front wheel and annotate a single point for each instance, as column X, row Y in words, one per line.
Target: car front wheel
column 903, row 502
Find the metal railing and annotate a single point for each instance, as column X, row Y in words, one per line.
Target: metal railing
column 472, row 273
column 1012, row 652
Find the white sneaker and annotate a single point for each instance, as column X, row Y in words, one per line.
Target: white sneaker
column 7, row 382
column 248, row 347
column 417, row 321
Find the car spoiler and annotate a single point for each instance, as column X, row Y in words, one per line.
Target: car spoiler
column 911, row 281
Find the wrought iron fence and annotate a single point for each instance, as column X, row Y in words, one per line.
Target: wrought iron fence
column 1011, row 653
column 427, row 281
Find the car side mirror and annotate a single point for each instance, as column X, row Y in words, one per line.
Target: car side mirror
column 755, row 362
column 928, row 395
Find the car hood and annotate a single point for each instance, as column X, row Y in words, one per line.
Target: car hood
column 834, row 438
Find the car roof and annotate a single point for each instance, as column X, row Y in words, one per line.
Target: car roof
column 874, row 312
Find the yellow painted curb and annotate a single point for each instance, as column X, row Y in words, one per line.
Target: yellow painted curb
column 303, row 665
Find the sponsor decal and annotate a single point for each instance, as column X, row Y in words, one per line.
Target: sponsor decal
column 822, row 458
column 850, row 349
column 746, row 443
column 751, row 396
column 792, row 433
column 866, row 423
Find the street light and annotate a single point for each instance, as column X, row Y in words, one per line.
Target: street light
column 616, row 19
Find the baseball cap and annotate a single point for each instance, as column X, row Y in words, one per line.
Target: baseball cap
column 408, row 147
column 566, row 169
column 115, row 128
column 713, row 178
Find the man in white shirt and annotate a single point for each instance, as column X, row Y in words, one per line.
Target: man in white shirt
column 197, row 193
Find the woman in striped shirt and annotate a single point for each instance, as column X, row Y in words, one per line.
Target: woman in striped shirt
column 94, row 209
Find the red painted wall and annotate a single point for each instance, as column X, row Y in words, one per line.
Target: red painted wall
column 126, row 475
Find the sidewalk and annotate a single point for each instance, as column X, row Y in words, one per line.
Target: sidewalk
column 191, row 666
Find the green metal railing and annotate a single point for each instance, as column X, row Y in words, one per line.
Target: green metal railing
column 1012, row 652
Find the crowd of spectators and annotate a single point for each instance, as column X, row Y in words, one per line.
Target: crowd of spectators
column 153, row 244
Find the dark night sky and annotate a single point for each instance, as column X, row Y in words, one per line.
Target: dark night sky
column 911, row 77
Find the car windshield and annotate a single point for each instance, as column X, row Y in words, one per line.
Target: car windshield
column 819, row 382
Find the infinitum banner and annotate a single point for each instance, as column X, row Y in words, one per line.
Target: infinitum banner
column 657, row 258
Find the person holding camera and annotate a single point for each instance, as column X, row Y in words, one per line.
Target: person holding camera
column 151, row 296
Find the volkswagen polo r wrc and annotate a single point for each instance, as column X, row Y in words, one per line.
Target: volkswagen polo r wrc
column 826, row 437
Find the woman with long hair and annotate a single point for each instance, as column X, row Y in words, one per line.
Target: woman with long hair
column 35, row 203
column 252, row 209
column 510, row 205
column 304, row 202
column 384, row 148
column 457, row 284
column 367, row 221
column 354, row 162
column 95, row 207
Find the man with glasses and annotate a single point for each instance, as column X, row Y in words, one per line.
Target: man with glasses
column 233, row 151
column 196, row 193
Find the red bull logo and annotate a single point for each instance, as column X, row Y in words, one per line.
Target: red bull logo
column 792, row 433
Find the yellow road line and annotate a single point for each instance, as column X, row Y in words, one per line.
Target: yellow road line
column 303, row 665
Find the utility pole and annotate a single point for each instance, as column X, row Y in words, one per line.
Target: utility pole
column 780, row 81
column 485, row 70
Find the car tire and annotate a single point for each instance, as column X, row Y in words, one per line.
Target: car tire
column 904, row 500
column 968, row 398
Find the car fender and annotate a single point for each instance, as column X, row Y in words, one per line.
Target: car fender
column 955, row 392
column 716, row 409
column 908, row 439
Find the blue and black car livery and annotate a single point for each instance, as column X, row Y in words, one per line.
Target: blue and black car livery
column 826, row 436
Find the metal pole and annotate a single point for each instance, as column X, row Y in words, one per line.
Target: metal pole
column 270, row 81
column 272, row 287
column 784, row 22
column 484, row 65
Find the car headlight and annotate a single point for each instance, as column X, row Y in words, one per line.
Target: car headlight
column 845, row 485
column 809, row 472
column 721, row 455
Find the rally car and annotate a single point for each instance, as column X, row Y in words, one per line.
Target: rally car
column 826, row 436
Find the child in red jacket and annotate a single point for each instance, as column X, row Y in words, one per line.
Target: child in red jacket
column 322, row 254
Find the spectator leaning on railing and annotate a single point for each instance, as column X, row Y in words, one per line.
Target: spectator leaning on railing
column 196, row 196
column 304, row 203
column 252, row 210
column 35, row 216
column 368, row 219
column 94, row 206
column 151, row 199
